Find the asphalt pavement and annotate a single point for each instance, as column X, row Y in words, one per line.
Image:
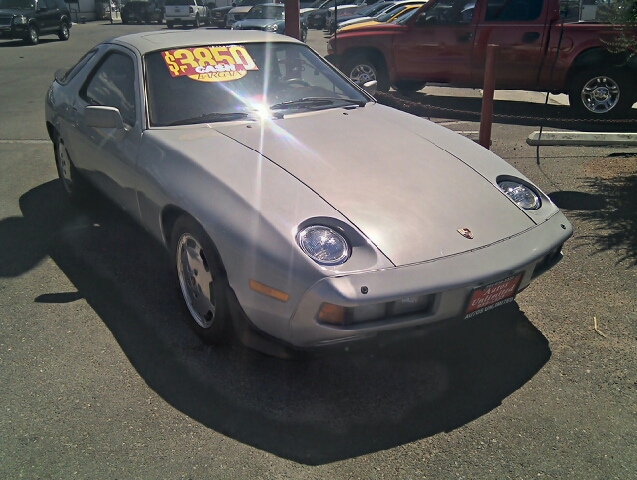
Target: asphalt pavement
column 102, row 378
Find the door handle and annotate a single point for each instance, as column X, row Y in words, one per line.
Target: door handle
column 465, row 37
column 530, row 37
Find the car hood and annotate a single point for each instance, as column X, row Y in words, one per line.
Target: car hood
column 406, row 194
column 8, row 12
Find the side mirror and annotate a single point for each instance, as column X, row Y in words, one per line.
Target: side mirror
column 371, row 87
column 59, row 74
column 422, row 19
column 103, row 117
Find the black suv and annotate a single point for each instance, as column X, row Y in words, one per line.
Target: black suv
column 29, row 19
column 146, row 12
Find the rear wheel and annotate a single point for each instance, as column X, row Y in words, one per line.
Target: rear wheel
column 362, row 69
column 64, row 32
column 72, row 183
column 202, row 281
column 169, row 24
column 409, row 86
column 601, row 93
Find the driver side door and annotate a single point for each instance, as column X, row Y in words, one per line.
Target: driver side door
column 438, row 44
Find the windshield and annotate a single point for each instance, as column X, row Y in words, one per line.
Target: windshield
column 179, row 2
column 274, row 12
column 248, row 3
column 404, row 16
column 224, row 82
column 18, row 4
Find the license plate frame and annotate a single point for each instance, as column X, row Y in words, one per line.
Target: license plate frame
column 493, row 295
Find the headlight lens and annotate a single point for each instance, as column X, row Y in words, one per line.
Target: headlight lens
column 523, row 196
column 21, row 20
column 271, row 28
column 323, row 245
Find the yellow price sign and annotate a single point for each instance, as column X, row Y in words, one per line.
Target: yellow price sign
column 209, row 64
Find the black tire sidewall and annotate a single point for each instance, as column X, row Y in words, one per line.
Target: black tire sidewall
column 219, row 332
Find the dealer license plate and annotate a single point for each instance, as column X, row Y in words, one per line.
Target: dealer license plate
column 493, row 295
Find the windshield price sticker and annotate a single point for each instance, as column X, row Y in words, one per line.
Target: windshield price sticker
column 492, row 296
column 209, row 64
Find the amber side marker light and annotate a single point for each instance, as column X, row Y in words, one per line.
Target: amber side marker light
column 332, row 314
column 268, row 291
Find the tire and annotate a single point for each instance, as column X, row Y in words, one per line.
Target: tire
column 147, row 20
column 169, row 24
column 160, row 20
column 304, row 35
column 361, row 69
column 597, row 93
column 124, row 19
column 201, row 281
column 64, row 32
column 72, row 183
column 196, row 23
column 409, row 86
column 33, row 36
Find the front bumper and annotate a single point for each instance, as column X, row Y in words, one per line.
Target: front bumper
column 450, row 281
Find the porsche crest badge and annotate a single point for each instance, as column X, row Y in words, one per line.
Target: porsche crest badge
column 466, row 233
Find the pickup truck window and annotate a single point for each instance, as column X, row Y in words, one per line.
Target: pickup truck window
column 450, row 12
column 513, row 10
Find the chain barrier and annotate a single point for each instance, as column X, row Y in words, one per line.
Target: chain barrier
column 391, row 100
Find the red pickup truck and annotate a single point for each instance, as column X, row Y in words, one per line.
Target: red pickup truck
column 445, row 41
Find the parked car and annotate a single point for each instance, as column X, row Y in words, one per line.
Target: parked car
column 367, row 11
column 295, row 208
column 318, row 18
column 395, row 15
column 185, row 12
column 146, row 12
column 239, row 11
column 30, row 19
column 269, row 17
column 219, row 16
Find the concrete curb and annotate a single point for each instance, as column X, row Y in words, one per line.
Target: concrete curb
column 582, row 139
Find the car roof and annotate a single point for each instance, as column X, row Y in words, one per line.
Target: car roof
column 146, row 42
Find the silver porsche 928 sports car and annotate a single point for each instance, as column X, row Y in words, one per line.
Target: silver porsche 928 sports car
column 291, row 202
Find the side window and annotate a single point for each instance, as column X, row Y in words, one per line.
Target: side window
column 513, row 10
column 450, row 12
column 112, row 84
column 70, row 74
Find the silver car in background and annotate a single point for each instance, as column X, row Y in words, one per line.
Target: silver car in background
column 296, row 210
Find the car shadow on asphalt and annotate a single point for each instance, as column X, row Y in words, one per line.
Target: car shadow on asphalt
column 315, row 411
column 506, row 112
column 610, row 206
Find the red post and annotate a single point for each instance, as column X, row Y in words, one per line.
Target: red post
column 486, row 116
column 293, row 19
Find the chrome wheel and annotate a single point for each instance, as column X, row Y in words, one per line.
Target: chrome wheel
column 195, row 280
column 33, row 36
column 64, row 166
column 64, row 32
column 600, row 94
column 362, row 73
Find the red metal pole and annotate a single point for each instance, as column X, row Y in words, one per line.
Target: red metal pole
column 486, row 116
column 293, row 19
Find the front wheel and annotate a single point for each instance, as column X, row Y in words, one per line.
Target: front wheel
column 361, row 69
column 196, row 23
column 304, row 35
column 201, row 280
column 169, row 24
column 601, row 94
column 64, row 32
column 33, row 36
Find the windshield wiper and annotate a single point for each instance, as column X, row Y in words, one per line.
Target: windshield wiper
column 210, row 117
column 315, row 102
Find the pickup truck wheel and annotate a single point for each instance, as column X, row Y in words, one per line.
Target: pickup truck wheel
column 196, row 23
column 409, row 86
column 64, row 33
column 169, row 24
column 604, row 94
column 361, row 69
column 33, row 36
